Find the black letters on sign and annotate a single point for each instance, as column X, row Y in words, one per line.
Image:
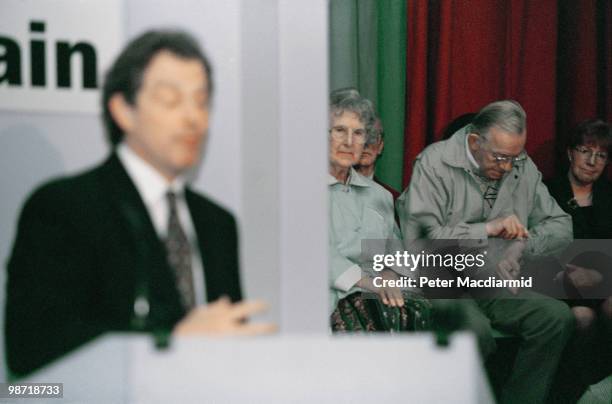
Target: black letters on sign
column 10, row 61
column 88, row 58
column 38, row 64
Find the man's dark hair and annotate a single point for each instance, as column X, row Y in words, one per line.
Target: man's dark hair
column 126, row 73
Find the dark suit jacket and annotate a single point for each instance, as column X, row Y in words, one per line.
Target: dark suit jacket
column 85, row 247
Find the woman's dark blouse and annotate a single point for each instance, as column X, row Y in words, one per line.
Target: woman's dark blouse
column 590, row 222
column 593, row 221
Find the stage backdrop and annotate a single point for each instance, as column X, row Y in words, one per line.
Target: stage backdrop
column 553, row 56
column 54, row 51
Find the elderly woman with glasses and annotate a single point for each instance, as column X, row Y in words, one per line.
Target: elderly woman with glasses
column 360, row 209
column 586, row 195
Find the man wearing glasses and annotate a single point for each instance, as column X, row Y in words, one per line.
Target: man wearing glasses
column 481, row 185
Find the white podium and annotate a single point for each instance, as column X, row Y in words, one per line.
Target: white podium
column 317, row 369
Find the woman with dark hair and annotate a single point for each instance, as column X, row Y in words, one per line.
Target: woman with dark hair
column 586, row 195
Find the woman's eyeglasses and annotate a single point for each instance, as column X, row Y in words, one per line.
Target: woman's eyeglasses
column 586, row 153
column 341, row 133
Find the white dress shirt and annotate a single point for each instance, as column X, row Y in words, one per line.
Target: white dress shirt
column 152, row 187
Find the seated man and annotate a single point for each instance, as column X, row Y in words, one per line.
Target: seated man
column 371, row 151
column 128, row 245
column 480, row 184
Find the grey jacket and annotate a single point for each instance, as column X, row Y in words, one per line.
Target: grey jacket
column 360, row 210
column 444, row 200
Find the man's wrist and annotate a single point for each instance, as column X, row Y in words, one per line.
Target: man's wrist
column 489, row 228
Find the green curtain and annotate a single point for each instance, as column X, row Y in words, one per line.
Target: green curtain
column 368, row 52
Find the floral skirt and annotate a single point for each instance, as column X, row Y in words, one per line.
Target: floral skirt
column 364, row 312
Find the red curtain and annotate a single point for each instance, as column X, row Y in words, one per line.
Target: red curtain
column 552, row 56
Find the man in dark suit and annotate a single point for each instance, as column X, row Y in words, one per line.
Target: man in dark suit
column 127, row 246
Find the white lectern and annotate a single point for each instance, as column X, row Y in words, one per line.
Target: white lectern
column 317, row 369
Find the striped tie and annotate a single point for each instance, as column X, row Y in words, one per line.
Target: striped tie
column 178, row 250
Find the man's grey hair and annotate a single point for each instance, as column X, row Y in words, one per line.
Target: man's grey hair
column 349, row 99
column 507, row 115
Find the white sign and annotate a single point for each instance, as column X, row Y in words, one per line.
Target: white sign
column 53, row 54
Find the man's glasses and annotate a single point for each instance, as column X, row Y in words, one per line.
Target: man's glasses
column 501, row 159
column 341, row 133
column 586, row 153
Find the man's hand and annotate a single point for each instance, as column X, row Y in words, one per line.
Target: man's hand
column 583, row 278
column 390, row 296
column 508, row 228
column 224, row 318
column 509, row 266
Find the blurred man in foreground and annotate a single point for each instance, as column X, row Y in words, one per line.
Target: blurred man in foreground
column 128, row 245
